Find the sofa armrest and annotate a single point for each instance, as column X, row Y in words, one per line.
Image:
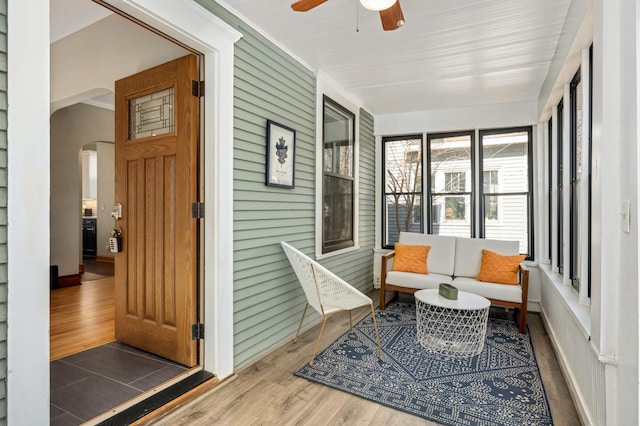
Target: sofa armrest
column 383, row 276
column 524, row 284
column 385, row 267
column 524, row 277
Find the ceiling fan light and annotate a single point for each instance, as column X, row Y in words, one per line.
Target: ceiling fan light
column 377, row 5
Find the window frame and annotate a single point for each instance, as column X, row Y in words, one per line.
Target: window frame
column 529, row 193
column 386, row 139
column 326, row 249
column 429, row 194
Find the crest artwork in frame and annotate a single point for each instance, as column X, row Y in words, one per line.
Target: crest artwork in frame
column 281, row 155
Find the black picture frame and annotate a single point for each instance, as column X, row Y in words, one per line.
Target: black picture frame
column 281, row 155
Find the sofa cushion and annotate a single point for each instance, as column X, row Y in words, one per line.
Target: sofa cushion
column 498, row 268
column 507, row 293
column 418, row 281
column 410, row 258
column 468, row 257
column 441, row 255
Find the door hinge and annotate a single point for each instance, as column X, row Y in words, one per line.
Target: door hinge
column 197, row 88
column 197, row 331
column 197, row 210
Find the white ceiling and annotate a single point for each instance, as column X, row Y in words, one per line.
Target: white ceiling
column 449, row 53
column 68, row 16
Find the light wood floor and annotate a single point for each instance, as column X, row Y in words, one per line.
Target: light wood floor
column 268, row 393
column 81, row 317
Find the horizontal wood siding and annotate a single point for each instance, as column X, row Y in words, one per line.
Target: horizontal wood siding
column 268, row 300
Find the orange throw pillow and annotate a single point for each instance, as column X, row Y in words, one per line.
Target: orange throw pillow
column 497, row 268
column 411, row 259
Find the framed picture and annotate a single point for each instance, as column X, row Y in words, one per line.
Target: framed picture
column 281, row 155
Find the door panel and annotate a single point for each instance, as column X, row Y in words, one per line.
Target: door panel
column 156, row 182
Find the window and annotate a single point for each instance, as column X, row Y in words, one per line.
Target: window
column 575, row 180
column 559, row 187
column 338, row 136
column 571, row 212
column 450, row 194
column 499, row 206
column 509, row 152
column 403, row 186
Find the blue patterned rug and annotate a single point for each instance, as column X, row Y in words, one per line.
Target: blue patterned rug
column 501, row 386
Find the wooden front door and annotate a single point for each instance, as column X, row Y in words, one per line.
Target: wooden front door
column 156, row 183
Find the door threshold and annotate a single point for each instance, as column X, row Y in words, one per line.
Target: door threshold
column 155, row 400
column 181, row 401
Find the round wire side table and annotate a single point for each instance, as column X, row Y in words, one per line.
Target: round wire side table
column 454, row 328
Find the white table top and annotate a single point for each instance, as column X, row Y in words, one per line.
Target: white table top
column 464, row 301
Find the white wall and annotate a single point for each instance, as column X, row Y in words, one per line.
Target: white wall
column 480, row 117
column 606, row 339
column 106, row 195
column 615, row 146
column 71, row 129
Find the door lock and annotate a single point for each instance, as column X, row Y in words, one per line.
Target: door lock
column 116, row 212
column 115, row 241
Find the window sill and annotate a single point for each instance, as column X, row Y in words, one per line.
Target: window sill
column 320, row 256
column 580, row 313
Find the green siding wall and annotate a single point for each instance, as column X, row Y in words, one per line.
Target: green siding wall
column 3, row 211
column 268, row 300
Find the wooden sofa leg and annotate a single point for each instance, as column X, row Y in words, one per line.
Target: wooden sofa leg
column 383, row 301
column 522, row 321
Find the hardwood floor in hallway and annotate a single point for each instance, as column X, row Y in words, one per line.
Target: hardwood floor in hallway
column 81, row 317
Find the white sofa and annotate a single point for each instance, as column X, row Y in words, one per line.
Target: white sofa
column 457, row 261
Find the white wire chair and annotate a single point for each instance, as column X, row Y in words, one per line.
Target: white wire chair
column 326, row 293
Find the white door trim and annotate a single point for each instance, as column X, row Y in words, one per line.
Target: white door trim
column 28, row 213
column 191, row 24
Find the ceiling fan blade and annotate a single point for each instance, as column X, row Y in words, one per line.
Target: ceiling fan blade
column 305, row 5
column 392, row 18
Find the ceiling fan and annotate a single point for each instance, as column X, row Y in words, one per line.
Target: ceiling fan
column 390, row 11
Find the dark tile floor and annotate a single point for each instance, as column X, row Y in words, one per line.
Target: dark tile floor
column 89, row 383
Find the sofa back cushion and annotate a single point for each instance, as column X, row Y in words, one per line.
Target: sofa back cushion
column 441, row 254
column 468, row 258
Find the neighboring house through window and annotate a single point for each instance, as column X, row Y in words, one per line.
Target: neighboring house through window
column 402, row 186
column 451, row 188
column 505, row 154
